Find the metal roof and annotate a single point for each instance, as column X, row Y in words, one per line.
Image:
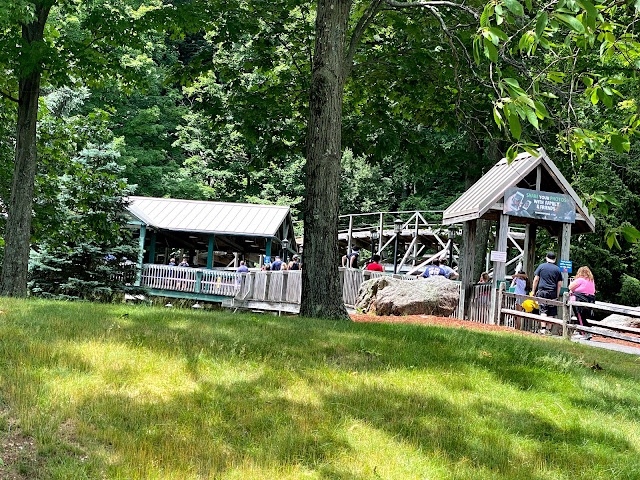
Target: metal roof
column 199, row 216
column 490, row 189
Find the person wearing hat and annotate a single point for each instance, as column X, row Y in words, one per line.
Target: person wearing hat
column 547, row 284
column 294, row 264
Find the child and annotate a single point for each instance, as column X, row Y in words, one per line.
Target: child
column 519, row 284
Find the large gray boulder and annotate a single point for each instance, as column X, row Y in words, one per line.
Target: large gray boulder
column 617, row 320
column 423, row 296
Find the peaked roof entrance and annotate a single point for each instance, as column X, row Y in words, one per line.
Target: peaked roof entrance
column 485, row 198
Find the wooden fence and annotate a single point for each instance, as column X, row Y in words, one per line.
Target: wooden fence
column 190, row 280
column 508, row 315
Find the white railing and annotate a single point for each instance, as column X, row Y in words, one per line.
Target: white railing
column 480, row 303
column 283, row 286
column 190, row 280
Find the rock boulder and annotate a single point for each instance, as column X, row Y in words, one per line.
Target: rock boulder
column 391, row 296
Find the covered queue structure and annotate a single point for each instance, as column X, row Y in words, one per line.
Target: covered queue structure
column 213, row 236
column 528, row 191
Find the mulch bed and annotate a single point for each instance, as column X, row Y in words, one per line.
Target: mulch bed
column 455, row 323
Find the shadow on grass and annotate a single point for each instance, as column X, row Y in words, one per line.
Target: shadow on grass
column 219, row 425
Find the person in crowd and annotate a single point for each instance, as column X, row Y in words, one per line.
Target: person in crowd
column 266, row 267
column 184, row 262
column 375, row 266
column 276, row 265
column 483, row 295
column 172, row 262
column 547, row 284
column 243, row 267
column 294, row 264
column 351, row 260
column 583, row 289
column 519, row 285
column 450, row 273
column 434, row 270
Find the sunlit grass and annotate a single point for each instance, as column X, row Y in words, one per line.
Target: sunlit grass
column 125, row 392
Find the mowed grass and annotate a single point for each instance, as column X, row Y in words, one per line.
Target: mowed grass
column 124, row 392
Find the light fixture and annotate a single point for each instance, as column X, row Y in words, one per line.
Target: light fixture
column 397, row 226
column 397, row 229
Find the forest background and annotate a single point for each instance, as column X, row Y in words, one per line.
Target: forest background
column 210, row 100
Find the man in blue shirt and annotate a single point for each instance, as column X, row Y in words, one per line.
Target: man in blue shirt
column 434, row 270
column 277, row 265
column 547, row 284
column 242, row 268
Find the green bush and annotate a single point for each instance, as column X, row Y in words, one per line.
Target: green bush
column 630, row 291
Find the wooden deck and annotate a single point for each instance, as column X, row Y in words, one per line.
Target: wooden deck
column 268, row 291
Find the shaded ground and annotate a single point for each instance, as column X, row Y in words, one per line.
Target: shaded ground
column 17, row 451
column 630, row 347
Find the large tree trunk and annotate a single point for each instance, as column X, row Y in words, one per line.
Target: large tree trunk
column 18, row 230
column 321, row 289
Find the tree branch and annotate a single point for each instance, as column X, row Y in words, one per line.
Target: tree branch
column 433, row 3
column 365, row 20
column 8, row 96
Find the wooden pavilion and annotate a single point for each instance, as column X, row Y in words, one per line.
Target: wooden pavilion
column 529, row 191
column 212, row 235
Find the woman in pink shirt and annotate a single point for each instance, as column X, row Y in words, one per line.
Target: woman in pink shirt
column 583, row 289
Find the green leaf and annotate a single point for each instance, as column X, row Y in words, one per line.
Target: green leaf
column 588, row 81
column 490, row 50
column 591, row 10
column 630, row 234
column 541, row 110
column 514, row 122
column 610, row 240
column 571, row 21
column 531, row 116
column 606, row 99
column 541, row 24
column 594, row 96
column 499, row 33
column 514, row 7
column 497, row 117
column 486, row 15
column 620, row 143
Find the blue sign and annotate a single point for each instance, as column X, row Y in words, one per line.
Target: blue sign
column 566, row 265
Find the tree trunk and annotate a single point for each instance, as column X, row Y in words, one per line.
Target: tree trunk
column 321, row 289
column 18, row 229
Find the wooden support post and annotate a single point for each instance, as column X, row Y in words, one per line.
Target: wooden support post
column 210, row 259
column 529, row 263
column 198, row 281
column 350, row 233
column 152, row 248
column 143, row 233
column 285, row 283
column 236, row 259
column 565, row 242
column 501, row 290
column 566, row 315
column 415, row 244
column 267, row 252
column 381, row 232
column 499, row 267
column 466, row 265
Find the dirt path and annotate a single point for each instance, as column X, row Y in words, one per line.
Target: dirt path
column 455, row 323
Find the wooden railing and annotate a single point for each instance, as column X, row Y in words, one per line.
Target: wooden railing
column 190, row 280
column 508, row 315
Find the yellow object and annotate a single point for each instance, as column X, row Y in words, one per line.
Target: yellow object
column 529, row 305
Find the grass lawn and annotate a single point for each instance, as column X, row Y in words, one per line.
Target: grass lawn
column 122, row 392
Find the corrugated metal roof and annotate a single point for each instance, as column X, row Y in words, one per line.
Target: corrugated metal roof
column 199, row 216
column 490, row 189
